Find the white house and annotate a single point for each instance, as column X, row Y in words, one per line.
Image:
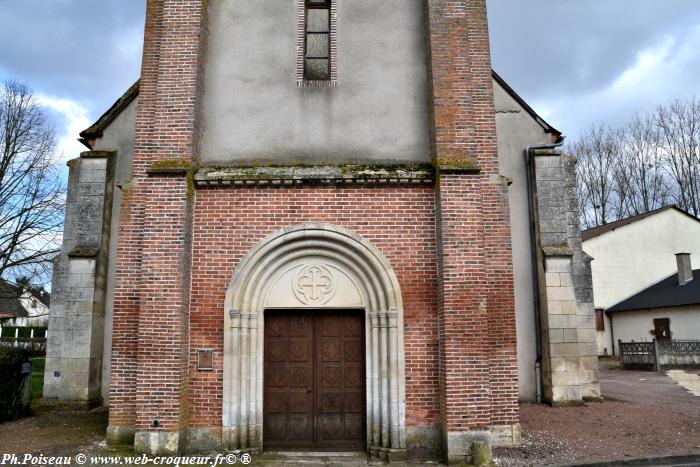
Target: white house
column 667, row 310
column 631, row 255
column 23, row 314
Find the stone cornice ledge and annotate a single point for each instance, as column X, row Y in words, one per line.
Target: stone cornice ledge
column 315, row 174
column 84, row 251
column 170, row 167
column 97, row 154
column 450, row 165
column 561, row 250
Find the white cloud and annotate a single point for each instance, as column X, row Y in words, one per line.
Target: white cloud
column 660, row 73
column 76, row 119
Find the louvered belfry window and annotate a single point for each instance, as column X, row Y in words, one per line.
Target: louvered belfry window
column 317, row 39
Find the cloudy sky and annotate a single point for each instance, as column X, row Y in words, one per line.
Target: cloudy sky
column 575, row 61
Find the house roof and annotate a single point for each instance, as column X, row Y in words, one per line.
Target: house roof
column 601, row 229
column 662, row 294
column 541, row 121
column 10, row 304
column 44, row 298
column 95, row 130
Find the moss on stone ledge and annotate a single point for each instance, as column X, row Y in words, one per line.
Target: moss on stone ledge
column 457, row 165
column 297, row 171
column 170, row 166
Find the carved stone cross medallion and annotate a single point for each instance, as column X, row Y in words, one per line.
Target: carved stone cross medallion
column 314, row 284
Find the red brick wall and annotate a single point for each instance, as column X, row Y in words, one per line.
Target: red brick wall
column 476, row 297
column 469, row 299
column 163, row 334
column 398, row 220
column 463, row 314
column 122, row 396
column 143, row 388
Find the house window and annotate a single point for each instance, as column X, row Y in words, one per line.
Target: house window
column 317, row 40
column 599, row 319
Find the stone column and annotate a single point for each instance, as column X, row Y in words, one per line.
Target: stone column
column 244, row 402
column 583, row 289
column 387, row 438
column 569, row 361
column 74, row 347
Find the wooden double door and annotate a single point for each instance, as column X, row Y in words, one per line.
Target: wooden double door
column 314, row 379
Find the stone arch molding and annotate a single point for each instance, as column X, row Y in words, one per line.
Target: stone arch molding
column 314, row 265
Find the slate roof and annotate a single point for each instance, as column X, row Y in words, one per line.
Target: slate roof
column 95, row 130
column 601, row 229
column 664, row 293
column 541, row 121
column 10, row 304
column 44, row 298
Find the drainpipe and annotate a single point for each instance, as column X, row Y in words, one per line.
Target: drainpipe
column 533, row 259
column 612, row 335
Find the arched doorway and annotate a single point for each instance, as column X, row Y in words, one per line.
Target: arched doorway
column 314, row 266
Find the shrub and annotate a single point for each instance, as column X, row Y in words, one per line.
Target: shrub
column 11, row 360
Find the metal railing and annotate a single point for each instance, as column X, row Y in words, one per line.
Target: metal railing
column 657, row 354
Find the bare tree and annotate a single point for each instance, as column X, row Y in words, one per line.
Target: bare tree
column 678, row 124
column 643, row 165
column 32, row 194
column 596, row 151
column 650, row 162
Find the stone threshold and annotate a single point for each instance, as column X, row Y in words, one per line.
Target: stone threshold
column 328, row 453
column 327, row 458
column 312, row 458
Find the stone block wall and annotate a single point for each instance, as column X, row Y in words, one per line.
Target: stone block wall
column 73, row 370
column 569, row 361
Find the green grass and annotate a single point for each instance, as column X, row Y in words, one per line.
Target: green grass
column 38, row 377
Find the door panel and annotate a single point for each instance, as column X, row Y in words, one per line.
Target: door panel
column 662, row 329
column 340, row 394
column 288, row 404
column 314, row 379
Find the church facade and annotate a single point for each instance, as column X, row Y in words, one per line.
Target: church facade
column 320, row 224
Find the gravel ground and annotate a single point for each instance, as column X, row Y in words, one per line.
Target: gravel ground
column 644, row 415
column 54, row 432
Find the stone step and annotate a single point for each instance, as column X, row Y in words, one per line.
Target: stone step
column 312, row 458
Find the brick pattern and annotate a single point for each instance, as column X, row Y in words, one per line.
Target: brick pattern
column 301, row 28
column 463, row 109
column 500, row 296
column 166, row 129
column 398, row 220
column 122, row 396
column 462, row 312
column 476, row 304
column 163, row 316
column 458, row 298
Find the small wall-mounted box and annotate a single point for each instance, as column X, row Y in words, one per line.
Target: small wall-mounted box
column 205, row 359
